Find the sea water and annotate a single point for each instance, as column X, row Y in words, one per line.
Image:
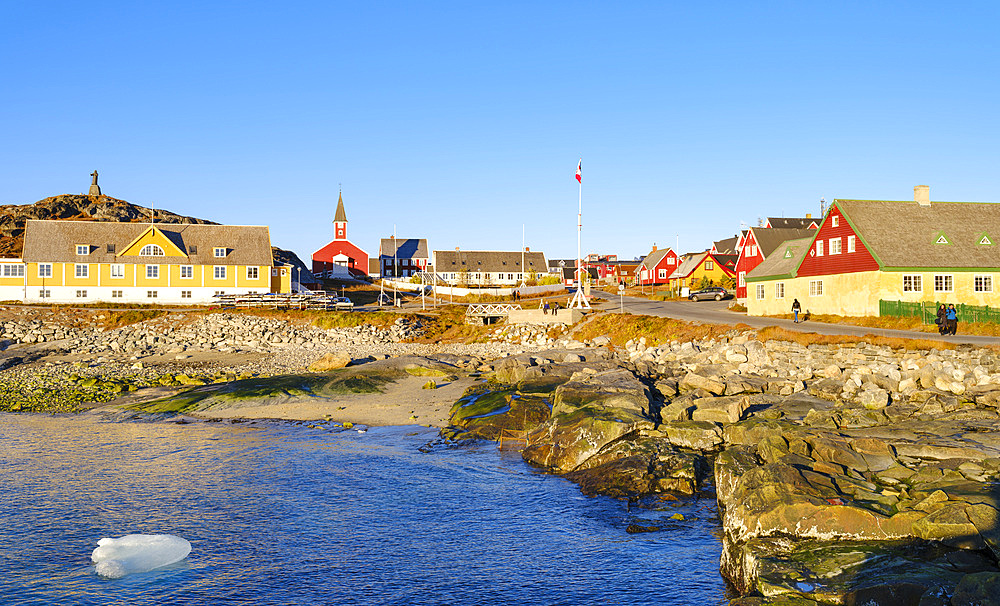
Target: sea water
column 283, row 514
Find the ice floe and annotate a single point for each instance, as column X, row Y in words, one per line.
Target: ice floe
column 132, row 553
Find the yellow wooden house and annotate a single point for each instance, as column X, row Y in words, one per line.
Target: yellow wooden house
column 88, row 261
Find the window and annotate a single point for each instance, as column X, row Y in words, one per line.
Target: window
column 151, row 294
column 834, row 246
column 81, row 294
column 819, row 248
column 151, row 250
column 82, row 270
column 185, row 294
column 753, row 251
column 220, row 292
column 663, row 274
column 110, row 248
column 760, row 292
column 743, row 278
column 709, row 265
column 943, row 283
column 779, row 290
column 913, row 283
column 82, row 249
column 152, row 272
column 220, row 272
column 44, row 294
column 850, row 244
column 187, row 271
column 44, row 270
column 984, row 283
column 252, row 274
column 219, row 252
column 116, row 294
column 670, row 260
column 816, row 288
column 835, row 222
column 117, row 270
column 11, row 270
column 193, row 250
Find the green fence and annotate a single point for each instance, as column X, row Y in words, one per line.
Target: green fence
column 927, row 311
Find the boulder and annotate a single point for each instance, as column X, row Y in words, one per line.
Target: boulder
column 331, row 361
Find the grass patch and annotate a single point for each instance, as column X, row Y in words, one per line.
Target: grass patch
column 622, row 328
column 987, row 329
column 117, row 319
column 776, row 333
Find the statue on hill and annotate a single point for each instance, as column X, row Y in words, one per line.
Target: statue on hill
column 95, row 189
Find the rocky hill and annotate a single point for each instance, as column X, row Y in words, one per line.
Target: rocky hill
column 79, row 207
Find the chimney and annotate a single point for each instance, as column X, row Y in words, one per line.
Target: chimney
column 809, row 215
column 527, row 249
column 654, row 248
column 456, row 249
column 922, row 195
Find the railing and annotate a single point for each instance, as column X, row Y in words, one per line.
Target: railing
column 491, row 310
column 927, row 311
column 312, row 300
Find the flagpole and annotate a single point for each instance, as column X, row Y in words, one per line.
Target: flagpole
column 579, row 300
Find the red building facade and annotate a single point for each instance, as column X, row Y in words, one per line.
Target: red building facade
column 341, row 257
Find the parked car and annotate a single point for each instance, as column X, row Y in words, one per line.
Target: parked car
column 716, row 292
column 343, row 303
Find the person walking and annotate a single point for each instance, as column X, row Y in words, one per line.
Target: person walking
column 796, row 308
column 555, row 308
column 545, row 308
column 952, row 320
column 942, row 319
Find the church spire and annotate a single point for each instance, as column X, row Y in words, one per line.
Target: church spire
column 340, row 220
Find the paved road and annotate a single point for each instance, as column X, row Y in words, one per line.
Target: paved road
column 717, row 312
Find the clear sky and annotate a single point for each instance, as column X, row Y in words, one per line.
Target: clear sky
column 462, row 121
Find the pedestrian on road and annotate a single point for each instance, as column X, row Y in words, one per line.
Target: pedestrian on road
column 952, row 320
column 796, row 308
column 545, row 308
column 942, row 319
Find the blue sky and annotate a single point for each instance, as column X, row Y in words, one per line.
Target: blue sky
column 462, row 121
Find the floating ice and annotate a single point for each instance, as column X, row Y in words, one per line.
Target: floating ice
column 138, row 553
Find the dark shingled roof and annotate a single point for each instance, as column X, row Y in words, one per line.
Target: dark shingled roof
column 406, row 248
column 488, row 260
column 769, row 239
column 726, row 247
column 904, row 234
column 784, row 261
column 792, row 222
column 55, row 241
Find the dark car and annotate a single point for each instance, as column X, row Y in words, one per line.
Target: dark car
column 716, row 292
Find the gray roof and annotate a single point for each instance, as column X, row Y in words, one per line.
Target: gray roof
column 56, row 241
column 726, row 247
column 688, row 265
column 903, row 234
column 769, row 239
column 488, row 260
column 792, row 222
column 650, row 261
column 784, row 261
column 405, row 248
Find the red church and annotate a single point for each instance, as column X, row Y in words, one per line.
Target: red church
column 340, row 258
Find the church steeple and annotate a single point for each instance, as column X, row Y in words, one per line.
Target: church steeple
column 340, row 220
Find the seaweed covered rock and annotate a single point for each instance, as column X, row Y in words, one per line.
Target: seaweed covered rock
column 489, row 411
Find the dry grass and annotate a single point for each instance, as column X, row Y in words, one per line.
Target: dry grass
column 621, row 328
column 987, row 329
column 117, row 319
column 774, row 333
column 448, row 325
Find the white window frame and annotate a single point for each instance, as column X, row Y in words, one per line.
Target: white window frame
column 152, row 272
column 152, row 250
column 819, row 248
column 219, row 252
column 779, row 290
column 982, row 283
column 663, row 274
column 835, row 247
column 852, row 244
column 816, row 288
column 81, row 270
column 219, row 272
column 946, row 282
column 44, row 270
column 117, row 270
column 916, row 283
column 835, row 221
column 760, row 292
column 13, row 270
column 82, row 250
column 743, row 278
column 253, row 272
column 189, row 270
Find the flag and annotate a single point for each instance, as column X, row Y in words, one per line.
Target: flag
column 579, row 172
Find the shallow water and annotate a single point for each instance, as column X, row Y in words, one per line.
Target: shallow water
column 281, row 514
